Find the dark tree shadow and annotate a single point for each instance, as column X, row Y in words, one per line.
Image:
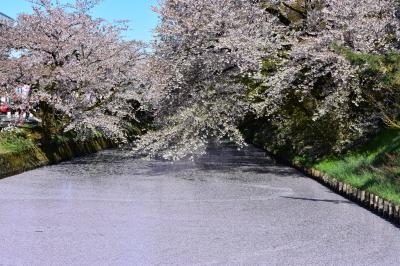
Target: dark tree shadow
column 319, row 200
column 223, row 158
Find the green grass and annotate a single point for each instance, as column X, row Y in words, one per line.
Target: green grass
column 14, row 142
column 375, row 167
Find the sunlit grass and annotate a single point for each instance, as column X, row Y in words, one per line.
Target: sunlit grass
column 12, row 142
column 375, row 167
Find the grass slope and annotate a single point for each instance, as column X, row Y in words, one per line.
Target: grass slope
column 11, row 142
column 375, row 167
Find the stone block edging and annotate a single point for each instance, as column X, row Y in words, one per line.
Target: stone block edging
column 370, row 201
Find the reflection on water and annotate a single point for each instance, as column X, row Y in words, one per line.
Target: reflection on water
column 219, row 158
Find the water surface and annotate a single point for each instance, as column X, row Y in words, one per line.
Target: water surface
column 228, row 208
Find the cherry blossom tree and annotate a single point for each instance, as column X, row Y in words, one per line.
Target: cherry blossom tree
column 302, row 65
column 315, row 78
column 203, row 51
column 81, row 71
column 208, row 54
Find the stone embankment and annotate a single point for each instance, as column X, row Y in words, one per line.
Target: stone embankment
column 378, row 205
column 374, row 203
column 15, row 163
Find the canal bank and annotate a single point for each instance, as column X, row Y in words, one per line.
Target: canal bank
column 16, row 161
column 367, row 175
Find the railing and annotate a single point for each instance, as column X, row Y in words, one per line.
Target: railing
column 14, row 119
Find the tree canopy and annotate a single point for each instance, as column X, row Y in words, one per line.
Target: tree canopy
column 78, row 67
column 321, row 74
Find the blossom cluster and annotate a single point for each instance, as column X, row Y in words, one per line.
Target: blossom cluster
column 77, row 66
column 203, row 50
column 213, row 64
column 207, row 51
column 315, row 76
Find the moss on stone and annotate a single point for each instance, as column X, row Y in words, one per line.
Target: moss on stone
column 12, row 163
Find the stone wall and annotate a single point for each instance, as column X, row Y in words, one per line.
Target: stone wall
column 366, row 199
column 374, row 203
column 15, row 163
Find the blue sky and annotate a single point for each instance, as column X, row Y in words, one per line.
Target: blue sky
column 138, row 12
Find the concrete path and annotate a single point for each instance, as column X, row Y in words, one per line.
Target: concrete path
column 229, row 208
